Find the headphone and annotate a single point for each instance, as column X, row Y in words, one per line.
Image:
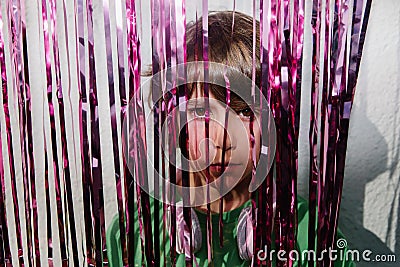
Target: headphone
column 244, row 232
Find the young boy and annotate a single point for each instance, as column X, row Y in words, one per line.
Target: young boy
column 231, row 47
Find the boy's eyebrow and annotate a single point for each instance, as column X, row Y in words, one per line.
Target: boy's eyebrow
column 196, row 100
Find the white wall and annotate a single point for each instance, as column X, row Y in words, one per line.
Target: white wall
column 371, row 197
column 370, row 209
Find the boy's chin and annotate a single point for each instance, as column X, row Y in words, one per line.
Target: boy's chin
column 226, row 181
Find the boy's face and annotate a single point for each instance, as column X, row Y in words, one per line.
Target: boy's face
column 238, row 153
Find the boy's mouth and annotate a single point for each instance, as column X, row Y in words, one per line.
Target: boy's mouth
column 218, row 168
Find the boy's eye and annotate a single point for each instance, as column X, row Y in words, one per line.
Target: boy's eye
column 246, row 113
column 199, row 112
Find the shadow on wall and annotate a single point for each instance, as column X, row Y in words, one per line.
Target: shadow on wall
column 367, row 158
column 372, row 173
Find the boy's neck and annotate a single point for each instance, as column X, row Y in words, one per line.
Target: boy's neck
column 232, row 200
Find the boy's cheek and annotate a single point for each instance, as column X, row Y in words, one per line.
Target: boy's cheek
column 257, row 143
column 197, row 151
column 193, row 140
column 194, row 151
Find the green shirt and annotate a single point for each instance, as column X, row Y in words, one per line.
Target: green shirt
column 228, row 255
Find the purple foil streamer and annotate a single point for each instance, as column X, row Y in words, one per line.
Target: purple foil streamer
column 163, row 189
column 170, row 102
column 337, row 53
column 338, row 86
column 67, row 177
column 346, row 100
column 48, row 209
column 284, row 198
column 139, row 133
column 87, row 187
column 131, row 184
column 30, row 143
column 313, row 132
column 160, row 113
column 5, row 253
column 332, row 110
column 339, row 77
column 127, row 175
column 265, row 193
column 47, row 48
column 116, row 153
column 124, row 105
column 355, row 59
column 159, row 120
column 181, row 58
column 60, row 98
column 338, row 107
column 272, row 66
column 98, row 199
column 323, row 140
column 271, row 81
column 252, row 137
column 207, row 124
column 295, row 97
column 227, row 108
column 289, row 93
column 297, row 52
column 156, row 97
column 9, row 146
column 227, row 100
column 15, row 30
column 297, row 72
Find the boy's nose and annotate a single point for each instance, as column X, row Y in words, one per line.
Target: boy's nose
column 217, row 133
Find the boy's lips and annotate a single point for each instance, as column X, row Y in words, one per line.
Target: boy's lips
column 218, row 169
column 220, row 163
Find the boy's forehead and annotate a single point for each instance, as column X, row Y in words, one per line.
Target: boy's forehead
column 198, row 92
column 199, row 99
